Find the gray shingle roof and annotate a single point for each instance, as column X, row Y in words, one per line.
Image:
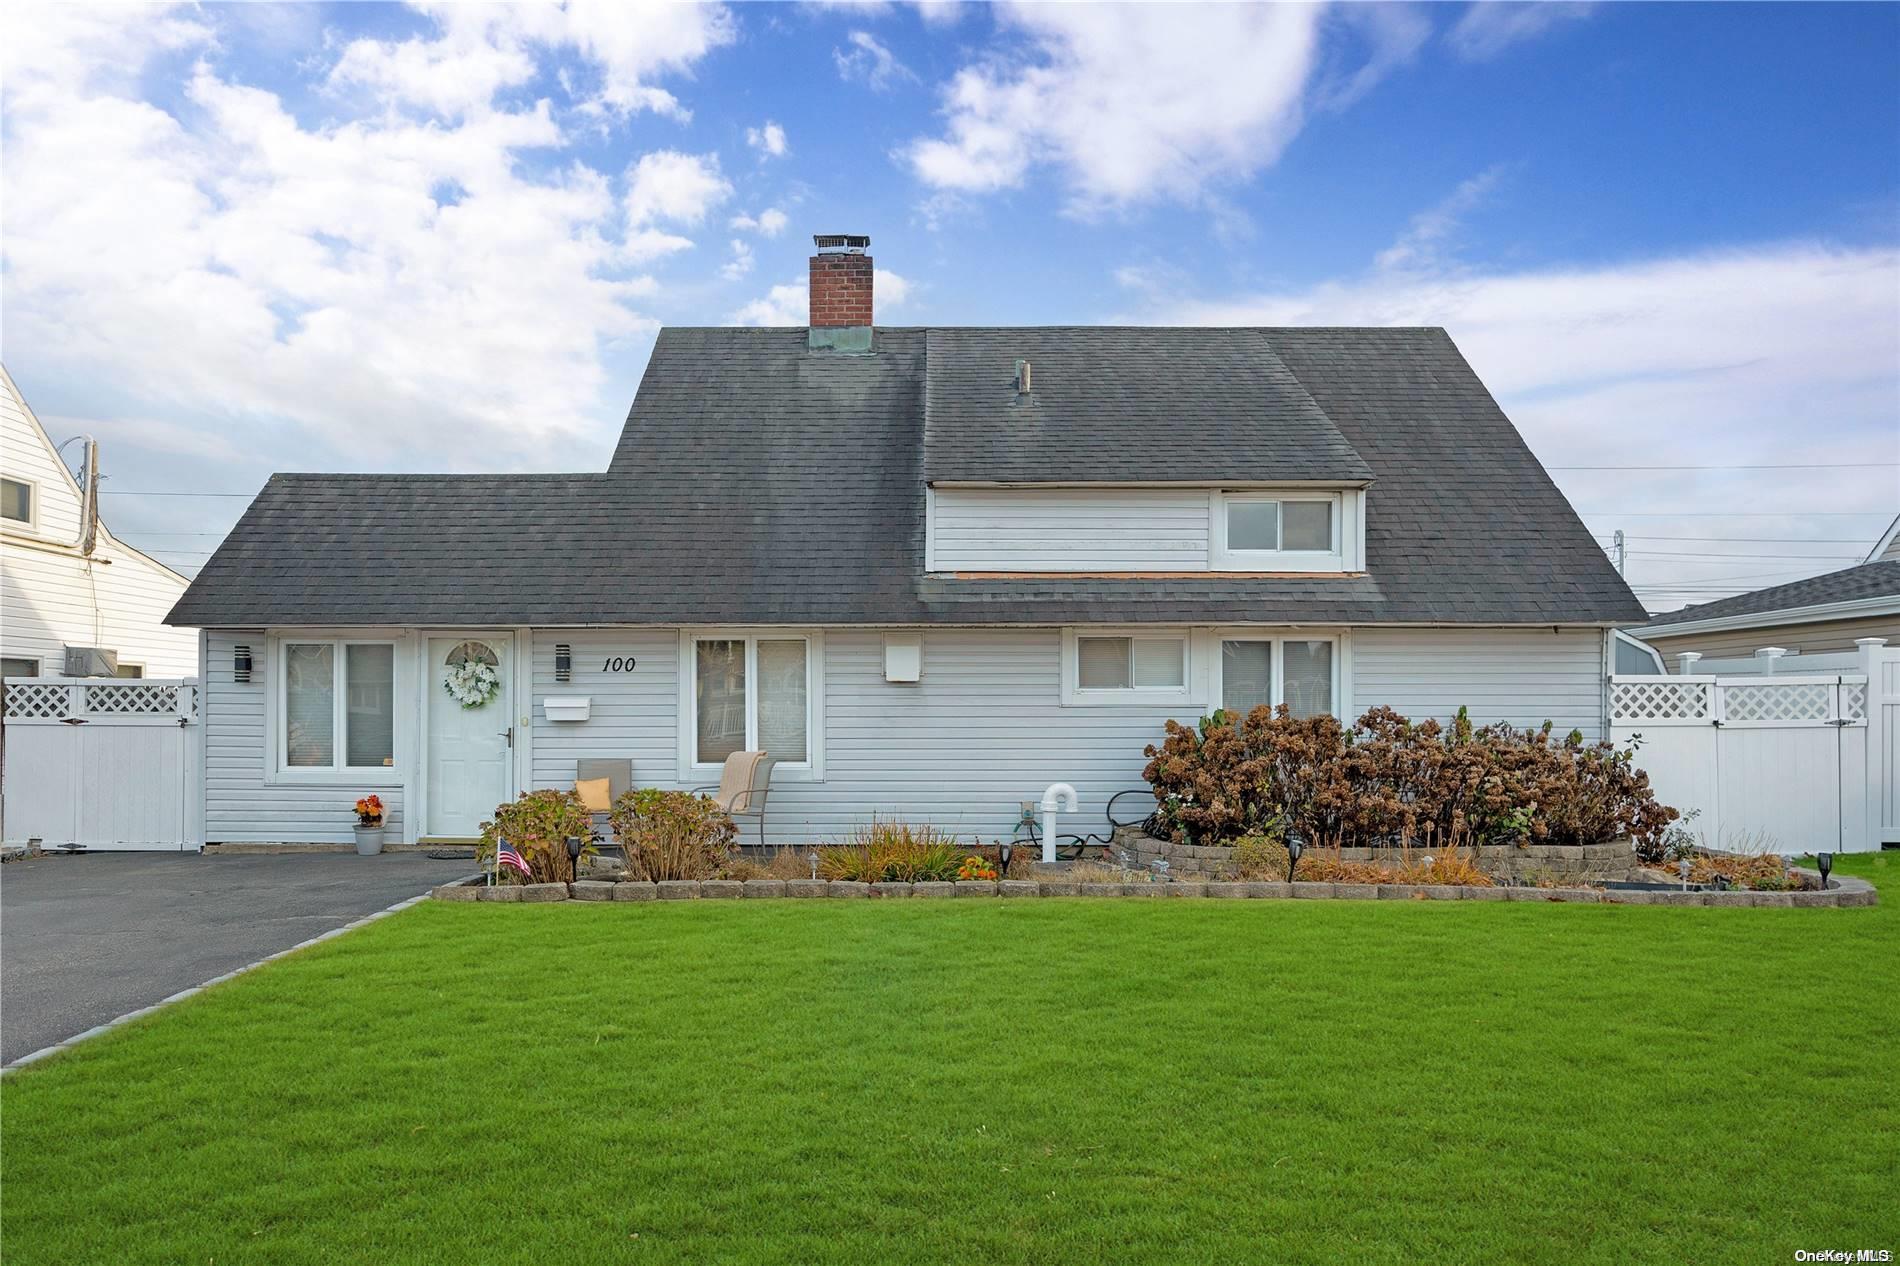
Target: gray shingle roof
column 1869, row 580
column 757, row 483
column 1120, row 404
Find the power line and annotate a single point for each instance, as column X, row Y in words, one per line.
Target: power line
column 1737, row 514
column 141, row 492
column 1747, row 557
column 1768, row 466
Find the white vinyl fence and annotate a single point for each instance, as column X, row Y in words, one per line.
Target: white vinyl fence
column 101, row 763
column 1785, row 763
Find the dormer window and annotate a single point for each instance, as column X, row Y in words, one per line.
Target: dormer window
column 1277, row 531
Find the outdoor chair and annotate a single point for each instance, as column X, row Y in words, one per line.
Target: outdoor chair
column 588, row 776
column 743, row 785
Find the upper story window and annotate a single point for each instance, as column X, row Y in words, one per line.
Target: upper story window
column 1115, row 531
column 16, row 501
column 1277, row 531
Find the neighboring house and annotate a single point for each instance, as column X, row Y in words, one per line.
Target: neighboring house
column 60, row 589
column 931, row 570
column 1817, row 616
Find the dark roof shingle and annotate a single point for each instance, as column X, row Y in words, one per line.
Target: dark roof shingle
column 1869, row 580
column 755, row 482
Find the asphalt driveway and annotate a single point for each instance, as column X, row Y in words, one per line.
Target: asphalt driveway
column 86, row 938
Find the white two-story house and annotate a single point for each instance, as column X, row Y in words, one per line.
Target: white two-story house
column 930, row 570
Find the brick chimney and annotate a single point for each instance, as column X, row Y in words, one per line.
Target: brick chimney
column 841, row 276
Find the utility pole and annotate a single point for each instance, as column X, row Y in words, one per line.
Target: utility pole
column 1621, row 554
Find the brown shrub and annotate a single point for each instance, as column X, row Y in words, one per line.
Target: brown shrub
column 1764, row 872
column 1387, row 782
column 672, row 834
column 538, row 825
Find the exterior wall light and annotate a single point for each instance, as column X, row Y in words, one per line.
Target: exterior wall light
column 240, row 663
column 563, row 662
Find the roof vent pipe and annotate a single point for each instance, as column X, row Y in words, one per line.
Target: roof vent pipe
column 1022, row 377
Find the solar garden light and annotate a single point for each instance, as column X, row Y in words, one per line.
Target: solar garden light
column 1293, row 850
column 573, row 857
column 1683, row 866
column 812, row 857
column 1003, row 853
column 1824, row 862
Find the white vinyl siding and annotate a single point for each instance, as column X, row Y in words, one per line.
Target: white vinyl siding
column 983, row 729
column 53, row 597
column 1069, row 529
column 243, row 805
column 1124, row 530
column 1524, row 676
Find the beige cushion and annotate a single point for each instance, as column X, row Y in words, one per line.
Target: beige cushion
column 735, row 782
column 594, row 794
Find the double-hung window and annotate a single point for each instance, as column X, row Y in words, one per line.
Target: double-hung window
column 1125, row 666
column 336, row 705
column 1281, row 531
column 16, row 502
column 752, row 692
column 1264, row 672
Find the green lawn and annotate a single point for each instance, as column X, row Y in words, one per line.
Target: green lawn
column 1048, row 1081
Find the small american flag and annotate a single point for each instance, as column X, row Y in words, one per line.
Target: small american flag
column 506, row 856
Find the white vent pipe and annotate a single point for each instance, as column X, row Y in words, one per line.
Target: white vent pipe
column 1059, row 796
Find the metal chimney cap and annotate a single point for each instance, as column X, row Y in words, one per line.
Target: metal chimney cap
column 850, row 243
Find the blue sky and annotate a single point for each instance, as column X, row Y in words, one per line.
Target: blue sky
column 376, row 237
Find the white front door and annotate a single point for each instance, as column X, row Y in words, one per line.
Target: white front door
column 471, row 759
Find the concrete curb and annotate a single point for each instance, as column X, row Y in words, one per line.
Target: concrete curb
column 32, row 1057
column 1846, row 891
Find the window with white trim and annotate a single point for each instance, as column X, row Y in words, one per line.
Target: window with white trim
column 12, row 667
column 16, row 501
column 752, row 693
column 337, row 705
column 1301, row 672
column 1278, row 531
column 1125, row 666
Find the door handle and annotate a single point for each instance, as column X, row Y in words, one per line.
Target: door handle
column 508, row 734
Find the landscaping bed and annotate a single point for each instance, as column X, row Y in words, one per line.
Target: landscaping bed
column 1846, row 891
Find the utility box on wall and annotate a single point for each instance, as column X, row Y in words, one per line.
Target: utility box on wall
column 903, row 656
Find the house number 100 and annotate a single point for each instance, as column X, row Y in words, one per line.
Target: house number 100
column 618, row 665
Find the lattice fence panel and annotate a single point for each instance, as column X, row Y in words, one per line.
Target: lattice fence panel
column 33, row 700
column 1853, row 701
column 132, row 699
column 1779, row 701
column 1660, row 700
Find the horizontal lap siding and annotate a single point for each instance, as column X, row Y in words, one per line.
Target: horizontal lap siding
column 632, row 714
column 240, row 807
column 981, row 731
column 1070, row 530
column 1524, row 676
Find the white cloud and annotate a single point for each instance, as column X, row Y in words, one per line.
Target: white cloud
column 1775, row 353
column 789, row 304
column 1423, row 242
column 769, row 140
column 1393, row 34
column 669, row 185
column 481, row 49
column 739, row 263
column 869, row 61
column 1129, row 101
column 781, row 305
column 888, row 290
column 769, row 222
column 375, row 289
column 1491, row 26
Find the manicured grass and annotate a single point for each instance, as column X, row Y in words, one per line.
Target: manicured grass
column 1046, row 1081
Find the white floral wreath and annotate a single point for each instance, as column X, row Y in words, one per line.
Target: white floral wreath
column 472, row 683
